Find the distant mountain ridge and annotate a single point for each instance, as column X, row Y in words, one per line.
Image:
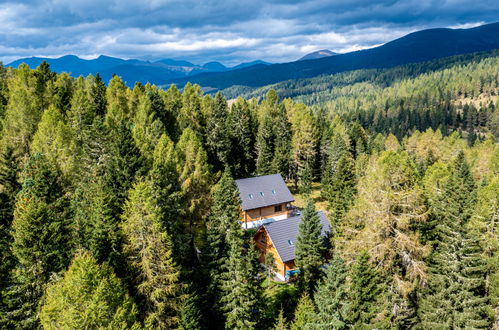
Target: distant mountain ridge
column 318, row 54
column 157, row 72
column 419, row 46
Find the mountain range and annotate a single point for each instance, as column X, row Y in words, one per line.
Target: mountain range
column 419, row 46
column 130, row 71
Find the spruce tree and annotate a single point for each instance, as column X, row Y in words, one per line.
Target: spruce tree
column 281, row 321
column 240, row 281
column 224, row 211
column 282, row 133
column 190, row 316
column 40, row 238
column 331, row 297
column 265, row 145
column 339, row 190
column 88, row 296
column 95, row 229
column 242, row 137
column 365, row 292
column 217, row 133
column 149, row 249
column 305, row 313
column 309, row 247
column 456, row 295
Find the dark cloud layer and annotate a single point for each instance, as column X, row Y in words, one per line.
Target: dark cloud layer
column 228, row 31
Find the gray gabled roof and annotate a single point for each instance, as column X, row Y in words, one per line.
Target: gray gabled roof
column 263, row 191
column 282, row 231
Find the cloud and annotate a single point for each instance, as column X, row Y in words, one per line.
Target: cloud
column 230, row 31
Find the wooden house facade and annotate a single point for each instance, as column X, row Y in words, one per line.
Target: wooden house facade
column 264, row 199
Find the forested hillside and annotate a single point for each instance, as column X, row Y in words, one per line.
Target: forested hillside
column 119, row 207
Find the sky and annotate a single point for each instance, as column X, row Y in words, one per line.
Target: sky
column 229, row 31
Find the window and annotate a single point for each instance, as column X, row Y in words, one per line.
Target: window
column 262, row 194
column 273, row 192
column 278, row 208
column 250, row 196
column 290, row 242
column 263, row 240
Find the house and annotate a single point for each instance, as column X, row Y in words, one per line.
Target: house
column 264, row 199
column 279, row 238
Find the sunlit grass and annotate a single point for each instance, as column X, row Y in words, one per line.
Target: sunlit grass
column 315, row 195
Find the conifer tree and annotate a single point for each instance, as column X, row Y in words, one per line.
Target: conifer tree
column 97, row 94
column 242, row 137
column 195, row 178
column 309, row 247
column 23, row 111
column 124, row 161
column 456, row 295
column 265, row 146
column 305, row 313
column 485, row 222
column 281, row 321
column 365, row 292
column 331, row 297
column 217, row 132
column 149, row 249
column 55, row 139
column 224, row 211
column 339, row 190
column 95, row 229
column 40, row 238
column 190, row 114
column 240, row 282
column 172, row 100
column 88, row 296
column 147, row 127
column 190, row 317
column 282, row 132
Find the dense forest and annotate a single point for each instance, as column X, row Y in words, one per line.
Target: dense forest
column 119, row 208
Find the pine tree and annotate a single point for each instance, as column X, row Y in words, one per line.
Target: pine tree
column 88, row 296
column 40, row 238
column 97, row 94
column 305, row 313
column 456, row 295
column 217, row 133
column 365, row 292
column 331, row 297
column 309, row 247
column 149, row 249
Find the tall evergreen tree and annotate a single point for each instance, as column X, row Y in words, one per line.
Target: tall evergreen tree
column 265, row 146
column 149, row 249
column 339, row 190
column 456, row 295
column 240, row 282
column 88, row 296
column 217, row 132
column 331, row 297
column 309, row 247
column 365, row 293
column 224, row 211
column 305, row 313
column 242, row 136
column 40, row 238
